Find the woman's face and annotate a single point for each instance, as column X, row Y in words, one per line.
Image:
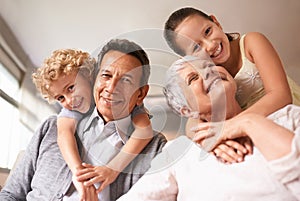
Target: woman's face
column 208, row 90
column 196, row 32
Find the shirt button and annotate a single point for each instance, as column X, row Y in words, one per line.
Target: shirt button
column 59, row 195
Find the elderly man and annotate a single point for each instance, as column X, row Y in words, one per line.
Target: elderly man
column 42, row 174
column 272, row 172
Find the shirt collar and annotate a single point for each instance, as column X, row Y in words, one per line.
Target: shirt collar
column 122, row 125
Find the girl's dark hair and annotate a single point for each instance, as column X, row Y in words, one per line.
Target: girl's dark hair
column 175, row 19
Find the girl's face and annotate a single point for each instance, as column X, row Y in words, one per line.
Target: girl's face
column 73, row 92
column 196, row 32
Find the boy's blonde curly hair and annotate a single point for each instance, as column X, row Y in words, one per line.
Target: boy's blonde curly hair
column 62, row 62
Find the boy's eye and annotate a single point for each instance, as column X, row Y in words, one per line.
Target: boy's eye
column 71, row 88
column 207, row 31
column 60, row 99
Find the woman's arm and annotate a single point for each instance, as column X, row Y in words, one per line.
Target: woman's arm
column 273, row 140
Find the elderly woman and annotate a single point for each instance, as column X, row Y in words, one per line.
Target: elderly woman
column 272, row 172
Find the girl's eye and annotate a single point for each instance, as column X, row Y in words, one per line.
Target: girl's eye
column 71, row 88
column 193, row 78
column 60, row 99
column 207, row 31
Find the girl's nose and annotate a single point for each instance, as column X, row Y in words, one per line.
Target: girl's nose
column 209, row 46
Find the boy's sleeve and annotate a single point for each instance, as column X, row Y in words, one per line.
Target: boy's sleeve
column 70, row 114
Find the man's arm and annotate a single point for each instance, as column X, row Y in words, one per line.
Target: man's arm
column 18, row 184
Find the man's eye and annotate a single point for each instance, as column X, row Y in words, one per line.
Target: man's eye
column 126, row 80
column 207, row 31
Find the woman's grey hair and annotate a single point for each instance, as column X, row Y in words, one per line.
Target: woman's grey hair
column 172, row 90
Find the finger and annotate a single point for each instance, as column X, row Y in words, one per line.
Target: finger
column 201, row 126
column 228, row 154
column 102, row 186
column 94, row 180
column 236, row 145
column 249, row 148
column 87, row 165
column 86, row 176
column 202, row 135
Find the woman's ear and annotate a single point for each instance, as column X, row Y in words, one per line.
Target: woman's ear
column 185, row 111
column 143, row 93
column 214, row 19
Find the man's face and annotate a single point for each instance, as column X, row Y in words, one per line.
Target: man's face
column 207, row 88
column 117, row 87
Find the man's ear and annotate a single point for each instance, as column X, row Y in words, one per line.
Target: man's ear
column 143, row 93
column 214, row 19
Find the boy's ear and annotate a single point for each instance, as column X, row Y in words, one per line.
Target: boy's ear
column 143, row 93
column 214, row 19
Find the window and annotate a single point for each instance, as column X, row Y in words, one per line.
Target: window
column 14, row 135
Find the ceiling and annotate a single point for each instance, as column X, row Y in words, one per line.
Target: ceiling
column 42, row 26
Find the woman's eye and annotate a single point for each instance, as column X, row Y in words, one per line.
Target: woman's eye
column 193, row 78
column 196, row 48
column 207, row 31
column 105, row 75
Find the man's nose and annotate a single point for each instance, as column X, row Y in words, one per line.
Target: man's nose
column 111, row 85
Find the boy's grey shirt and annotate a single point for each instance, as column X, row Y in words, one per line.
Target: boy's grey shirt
column 42, row 173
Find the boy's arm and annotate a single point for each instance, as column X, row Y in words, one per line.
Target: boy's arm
column 141, row 136
column 138, row 140
column 67, row 142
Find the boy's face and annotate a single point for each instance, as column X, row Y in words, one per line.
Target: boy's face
column 117, row 87
column 73, row 92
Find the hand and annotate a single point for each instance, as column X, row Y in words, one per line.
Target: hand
column 233, row 151
column 210, row 134
column 224, row 139
column 96, row 174
column 86, row 193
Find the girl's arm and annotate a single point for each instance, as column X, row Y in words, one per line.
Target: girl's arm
column 273, row 140
column 141, row 136
column 229, row 151
column 260, row 51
